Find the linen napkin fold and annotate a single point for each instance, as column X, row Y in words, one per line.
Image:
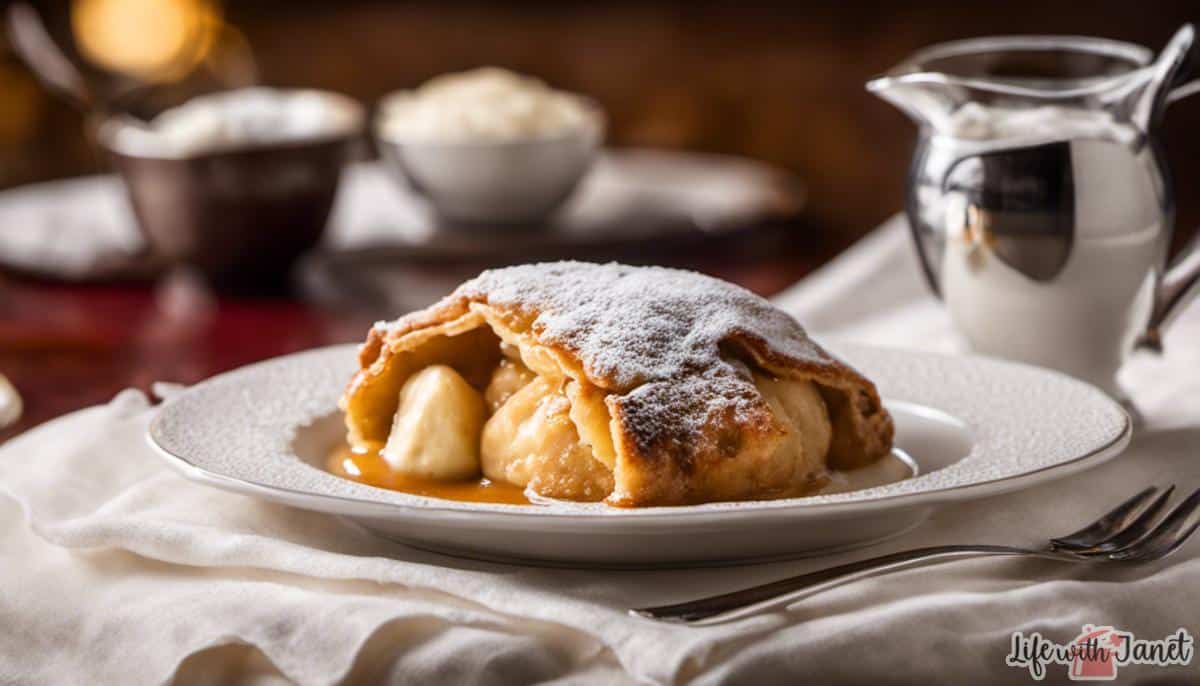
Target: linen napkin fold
column 113, row 569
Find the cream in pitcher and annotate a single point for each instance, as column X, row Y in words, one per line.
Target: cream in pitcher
column 1038, row 196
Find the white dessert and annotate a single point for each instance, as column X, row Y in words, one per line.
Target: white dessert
column 484, row 105
column 245, row 117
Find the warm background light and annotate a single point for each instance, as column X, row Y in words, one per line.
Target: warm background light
column 152, row 40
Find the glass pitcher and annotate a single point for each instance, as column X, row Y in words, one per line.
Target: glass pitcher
column 1038, row 195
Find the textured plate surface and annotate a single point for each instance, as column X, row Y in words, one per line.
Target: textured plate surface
column 975, row 426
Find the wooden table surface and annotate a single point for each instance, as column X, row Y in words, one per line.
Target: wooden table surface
column 68, row 347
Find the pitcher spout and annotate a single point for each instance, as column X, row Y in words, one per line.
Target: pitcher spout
column 927, row 98
column 966, row 87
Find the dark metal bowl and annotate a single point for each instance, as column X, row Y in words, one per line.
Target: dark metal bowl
column 240, row 216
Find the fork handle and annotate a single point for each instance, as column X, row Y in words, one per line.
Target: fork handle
column 749, row 600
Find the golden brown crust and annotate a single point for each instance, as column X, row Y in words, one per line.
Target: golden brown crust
column 667, row 350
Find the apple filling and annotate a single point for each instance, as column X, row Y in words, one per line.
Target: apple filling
column 551, row 435
column 435, row 433
column 800, row 411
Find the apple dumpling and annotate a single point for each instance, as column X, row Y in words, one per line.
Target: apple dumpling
column 636, row 386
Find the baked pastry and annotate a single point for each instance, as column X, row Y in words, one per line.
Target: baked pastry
column 638, row 386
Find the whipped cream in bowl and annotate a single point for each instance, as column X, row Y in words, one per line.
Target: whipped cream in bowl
column 233, row 120
column 489, row 146
column 486, row 105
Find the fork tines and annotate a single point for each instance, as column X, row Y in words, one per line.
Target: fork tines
column 1132, row 532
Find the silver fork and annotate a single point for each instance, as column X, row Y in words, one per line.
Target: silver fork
column 1126, row 534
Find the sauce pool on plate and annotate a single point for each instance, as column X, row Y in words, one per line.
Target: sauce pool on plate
column 368, row 467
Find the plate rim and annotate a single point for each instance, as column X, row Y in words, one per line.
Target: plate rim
column 792, row 507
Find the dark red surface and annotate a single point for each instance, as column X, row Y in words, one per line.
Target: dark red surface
column 67, row 347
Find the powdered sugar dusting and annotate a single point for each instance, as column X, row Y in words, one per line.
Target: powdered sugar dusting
column 631, row 325
column 652, row 333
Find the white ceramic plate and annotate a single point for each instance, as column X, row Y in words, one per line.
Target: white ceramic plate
column 975, row 426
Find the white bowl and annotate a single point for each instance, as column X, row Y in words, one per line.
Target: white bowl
column 495, row 182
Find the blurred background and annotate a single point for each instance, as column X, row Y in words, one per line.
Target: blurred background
column 776, row 84
column 779, row 82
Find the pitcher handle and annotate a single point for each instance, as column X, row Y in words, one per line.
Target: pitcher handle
column 1180, row 285
column 1180, row 92
column 1181, row 282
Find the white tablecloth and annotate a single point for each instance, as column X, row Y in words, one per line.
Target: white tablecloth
column 115, row 570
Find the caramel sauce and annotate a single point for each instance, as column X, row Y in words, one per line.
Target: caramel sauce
column 369, row 467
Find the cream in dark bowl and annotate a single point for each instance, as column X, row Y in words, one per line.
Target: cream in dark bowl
column 237, row 184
